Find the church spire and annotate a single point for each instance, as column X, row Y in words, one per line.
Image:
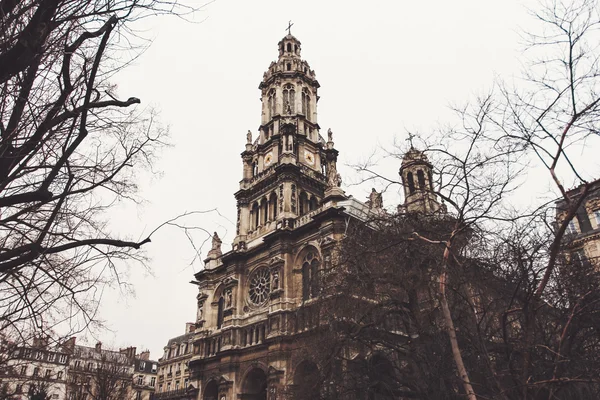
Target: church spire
column 289, row 168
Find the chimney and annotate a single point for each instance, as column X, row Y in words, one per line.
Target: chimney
column 190, row 327
column 69, row 345
column 99, row 347
column 129, row 352
column 144, row 355
column 40, row 342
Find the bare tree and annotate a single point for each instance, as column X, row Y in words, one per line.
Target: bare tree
column 108, row 378
column 70, row 148
column 519, row 312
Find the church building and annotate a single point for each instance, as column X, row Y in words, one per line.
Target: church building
column 254, row 301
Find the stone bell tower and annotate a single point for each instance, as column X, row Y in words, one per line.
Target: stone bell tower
column 288, row 168
column 416, row 173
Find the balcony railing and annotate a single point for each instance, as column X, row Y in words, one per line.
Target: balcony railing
column 175, row 394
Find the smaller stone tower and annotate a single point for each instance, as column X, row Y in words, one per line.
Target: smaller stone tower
column 416, row 173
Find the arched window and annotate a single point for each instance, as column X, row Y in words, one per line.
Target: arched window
column 303, row 203
column 254, row 168
column 289, row 95
column 264, row 210
column 289, row 66
column 295, row 48
column 220, row 308
column 310, row 270
column 430, row 181
column 289, row 47
column 273, row 206
column 272, row 103
column 254, row 216
column 411, row 183
column 313, row 203
column 305, row 102
column 421, row 179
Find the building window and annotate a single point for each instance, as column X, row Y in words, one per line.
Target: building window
column 597, row 217
column 142, row 365
column 59, row 375
column 272, row 103
column 140, row 379
column 160, row 388
column 411, row 183
column 24, row 370
column 39, row 355
column 572, row 228
column 36, row 371
column 27, row 353
column 138, row 395
column 153, row 381
column 48, row 373
column 220, row 311
column 289, row 98
column 421, row 179
column 77, row 364
column 154, row 367
column 169, row 387
column 176, row 385
column 51, row 357
column 19, row 389
column 63, row 358
column 310, row 270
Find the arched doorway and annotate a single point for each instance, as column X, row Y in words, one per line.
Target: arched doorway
column 307, row 381
column 382, row 378
column 211, row 391
column 255, row 385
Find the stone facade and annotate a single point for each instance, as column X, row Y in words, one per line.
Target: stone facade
column 256, row 303
column 34, row 368
column 145, row 372
column 583, row 232
column 173, row 370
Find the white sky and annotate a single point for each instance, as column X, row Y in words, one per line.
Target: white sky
column 383, row 66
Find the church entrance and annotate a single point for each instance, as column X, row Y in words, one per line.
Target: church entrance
column 211, row 392
column 255, row 385
column 307, row 381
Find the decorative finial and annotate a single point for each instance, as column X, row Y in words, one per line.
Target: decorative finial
column 410, row 139
column 329, row 135
column 249, row 137
column 289, row 28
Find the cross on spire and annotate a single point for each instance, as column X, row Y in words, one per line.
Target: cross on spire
column 289, row 28
column 410, row 139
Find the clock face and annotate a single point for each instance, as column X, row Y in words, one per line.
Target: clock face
column 309, row 157
column 268, row 159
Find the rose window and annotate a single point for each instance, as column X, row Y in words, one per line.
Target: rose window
column 260, row 286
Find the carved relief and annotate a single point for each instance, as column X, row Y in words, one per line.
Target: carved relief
column 293, row 198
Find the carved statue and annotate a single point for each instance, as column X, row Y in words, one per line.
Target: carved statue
column 200, row 311
column 329, row 135
column 275, row 284
column 228, row 298
column 338, row 179
column 216, row 242
column 249, row 137
column 375, row 199
column 334, row 179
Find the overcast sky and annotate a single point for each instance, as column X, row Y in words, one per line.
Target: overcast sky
column 384, row 67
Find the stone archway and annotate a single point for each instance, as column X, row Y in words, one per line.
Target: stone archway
column 382, row 378
column 307, row 381
column 211, row 391
column 255, row 385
